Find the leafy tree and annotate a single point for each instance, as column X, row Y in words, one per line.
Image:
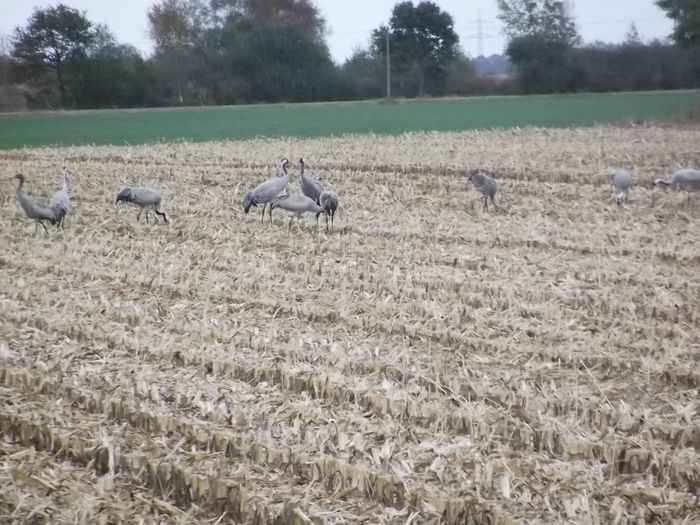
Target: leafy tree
column 301, row 14
column 542, row 37
column 460, row 75
column 686, row 15
column 112, row 76
column 422, row 42
column 364, row 74
column 632, row 37
column 548, row 19
column 52, row 36
column 274, row 64
column 178, row 29
column 625, row 67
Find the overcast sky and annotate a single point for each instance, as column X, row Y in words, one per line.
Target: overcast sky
column 350, row 22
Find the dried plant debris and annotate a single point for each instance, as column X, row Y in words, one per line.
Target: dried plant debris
column 426, row 361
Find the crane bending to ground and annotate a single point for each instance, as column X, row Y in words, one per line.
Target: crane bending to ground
column 621, row 181
column 297, row 204
column 143, row 197
column 688, row 180
column 329, row 205
column 484, row 184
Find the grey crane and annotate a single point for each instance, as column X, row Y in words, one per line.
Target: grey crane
column 266, row 192
column 310, row 187
column 621, row 181
column 688, row 180
column 38, row 211
column 484, row 184
column 329, row 205
column 143, row 197
column 60, row 203
column 297, row 204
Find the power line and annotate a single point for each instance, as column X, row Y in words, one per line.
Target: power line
column 482, row 21
column 626, row 20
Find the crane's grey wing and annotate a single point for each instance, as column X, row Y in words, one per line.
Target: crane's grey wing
column 269, row 189
column 311, row 188
column 61, row 200
column 146, row 196
column 622, row 179
column 483, row 183
column 688, row 176
column 329, row 200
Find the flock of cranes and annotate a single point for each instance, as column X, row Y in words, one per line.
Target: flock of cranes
column 687, row 179
column 312, row 199
column 55, row 212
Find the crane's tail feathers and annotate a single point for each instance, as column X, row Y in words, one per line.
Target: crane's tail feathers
column 274, row 202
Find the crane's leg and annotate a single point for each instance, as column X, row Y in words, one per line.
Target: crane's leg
column 332, row 219
column 44, row 226
column 270, row 212
column 289, row 229
column 36, row 227
column 138, row 217
column 493, row 200
column 486, row 203
column 263, row 213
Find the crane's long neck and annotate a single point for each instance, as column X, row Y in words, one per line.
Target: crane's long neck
column 19, row 186
column 66, row 182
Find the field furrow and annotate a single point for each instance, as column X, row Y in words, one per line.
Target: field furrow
column 426, row 362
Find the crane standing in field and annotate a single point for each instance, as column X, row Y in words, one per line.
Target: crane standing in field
column 621, row 181
column 310, row 187
column 297, row 205
column 38, row 211
column 144, row 198
column 329, row 205
column 688, row 180
column 61, row 201
column 484, row 184
column 266, row 192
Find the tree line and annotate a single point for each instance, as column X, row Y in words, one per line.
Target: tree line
column 248, row 51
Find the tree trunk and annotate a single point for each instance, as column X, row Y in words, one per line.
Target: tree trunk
column 61, row 86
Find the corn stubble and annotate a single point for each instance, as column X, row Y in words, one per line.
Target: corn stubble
column 426, row 362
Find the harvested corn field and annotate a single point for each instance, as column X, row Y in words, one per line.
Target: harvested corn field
column 425, row 362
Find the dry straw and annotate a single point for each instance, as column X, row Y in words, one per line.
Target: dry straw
column 426, row 363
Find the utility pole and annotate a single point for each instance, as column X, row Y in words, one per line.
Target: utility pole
column 388, row 66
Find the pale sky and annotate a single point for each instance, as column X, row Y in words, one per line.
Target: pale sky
column 350, row 22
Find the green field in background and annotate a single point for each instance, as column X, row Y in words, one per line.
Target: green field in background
column 326, row 119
